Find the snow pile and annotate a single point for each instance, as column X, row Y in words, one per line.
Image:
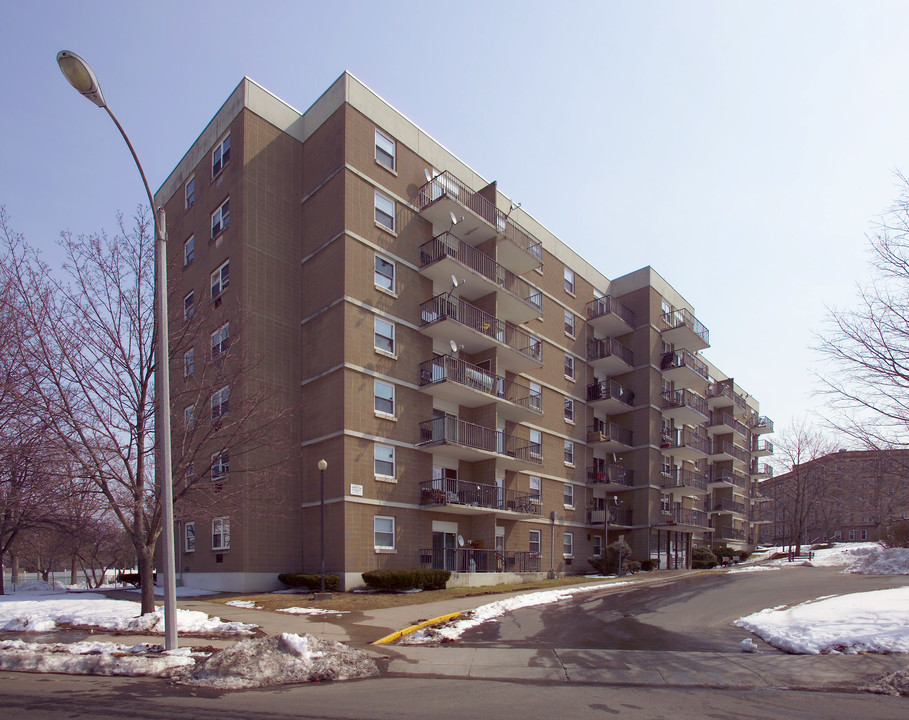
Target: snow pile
column 876, row 621
column 485, row 613
column 280, row 660
column 861, row 558
column 750, row 568
column 311, row 611
column 248, row 604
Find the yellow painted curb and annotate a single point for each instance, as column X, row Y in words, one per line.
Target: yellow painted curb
column 414, row 628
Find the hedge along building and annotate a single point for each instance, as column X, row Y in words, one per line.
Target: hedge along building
column 486, row 400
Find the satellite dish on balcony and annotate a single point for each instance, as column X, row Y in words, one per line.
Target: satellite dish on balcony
column 454, row 219
column 427, row 174
column 453, row 345
column 460, row 541
column 454, row 282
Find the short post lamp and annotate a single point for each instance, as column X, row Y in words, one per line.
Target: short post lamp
column 323, row 465
column 82, row 77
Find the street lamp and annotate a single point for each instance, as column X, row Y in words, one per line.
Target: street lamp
column 80, row 76
column 322, row 466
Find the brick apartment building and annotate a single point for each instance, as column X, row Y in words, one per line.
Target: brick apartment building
column 485, row 399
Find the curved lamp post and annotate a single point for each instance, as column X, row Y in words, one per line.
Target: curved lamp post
column 322, row 466
column 80, row 76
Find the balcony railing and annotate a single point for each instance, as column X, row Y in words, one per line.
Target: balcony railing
column 685, row 438
column 447, row 185
column 602, row 431
column 609, row 306
column 762, row 447
column 677, row 399
column 599, row 349
column 718, row 418
column 729, row 477
column 610, row 475
column 444, row 306
column 723, row 390
column 609, row 390
column 596, row 515
column 450, row 491
column 684, row 358
column 683, row 317
column 724, row 447
column 459, row 432
column 761, row 469
column 761, row 424
column 685, row 516
column 727, row 505
column 453, row 369
column 447, row 245
column 731, row 533
column 681, row 478
column 476, row 560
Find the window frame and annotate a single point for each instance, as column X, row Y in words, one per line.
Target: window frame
column 189, row 250
column 222, row 151
column 570, row 367
column 536, row 396
column 223, row 532
column 220, row 465
column 569, row 280
column 598, row 546
column 390, row 226
column 568, row 495
column 189, row 362
column 189, row 536
column 570, row 324
column 189, row 417
column 377, row 447
column 189, row 192
column 390, row 339
column 376, row 532
column 569, row 410
column 223, row 213
column 535, row 487
column 538, row 452
column 377, row 398
column 222, row 334
column 535, row 539
column 223, row 281
column 391, row 279
column 189, row 305
column 223, row 402
column 393, row 155
column 568, row 545
column 569, row 453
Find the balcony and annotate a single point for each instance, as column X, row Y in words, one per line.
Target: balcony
column 685, row 369
column 761, row 471
column 446, row 318
column 762, row 516
column 684, row 483
column 609, row 437
column 618, row 517
column 726, row 478
column 684, row 330
column 446, row 255
column 685, row 519
column 728, row 506
column 685, row 407
column 721, row 394
column 461, row 440
column 457, row 381
column 762, row 448
column 685, row 445
column 479, row 220
column 730, row 533
column 476, row 560
column 470, row 498
column 761, row 425
column 609, row 357
column 610, row 397
column 723, row 422
column 608, row 317
column 724, row 451
column 611, row 478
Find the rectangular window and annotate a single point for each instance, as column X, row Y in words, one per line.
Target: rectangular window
column 220, row 279
column 220, row 341
column 536, row 396
column 189, row 250
column 384, row 458
column 569, row 409
column 533, row 543
column 220, row 533
column 189, row 192
column 665, row 503
column 189, row 416
column 189, row 362
column 568, row 495
column 384, row 336
column 220, row 218
column 536, row 444
column 189, row 535
column 535, row 488
column 851, row 535
column 569, row 323
column 383, row 529
column 568, row 544
column 385, row 274
column 220, row 465
column 219, row 402
column 569, row 366
column 597, row 546
column 384, row 398
column 385, row 211
column 385, row 150
column 188, row 305
column 864, row 534
column 569, row 452
column 220, row 155
column 569, row 281
column 189, row 477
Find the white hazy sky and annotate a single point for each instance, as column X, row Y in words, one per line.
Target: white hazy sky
column 744, row 150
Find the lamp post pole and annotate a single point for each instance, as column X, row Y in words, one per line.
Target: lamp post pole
column 322, row 466
column 82, row 78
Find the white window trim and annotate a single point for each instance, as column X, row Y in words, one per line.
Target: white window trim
column 539, row 541
column 568, row 505
column 222, row 286
column 574, row 368
column 375, row 531
column 394, row 407
column 568, row 451
column 379, row 196
column 189, row 533
column 570, row 537
column 569, row 278
column 394, row 347
column 394, row 151
column 572, row 332
column 217, row 463
column 223, row 397
column 189, row 245
column 538, row 498
column 220, row 147
column 219, row 211
column 187, row 202
column 224, row 523
column 188, row 311
column 569, row 403
column 394, row 275
column 223, row 341
column 189, row 362
column 539, row 452
column 383, row 477
column 189, row 419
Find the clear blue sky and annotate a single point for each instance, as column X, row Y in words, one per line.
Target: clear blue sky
column 742, row 149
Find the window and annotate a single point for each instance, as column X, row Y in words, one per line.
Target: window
column 189, row 416
column 569, row 323
column 536, row 396
column 384, row 398
column 383, row 532
column 219, row 402
column 385, row 274
column 569, row 281
column 220, row 155
column 569, row 367
column 384, row 459
column 864, row 534
column 189, row 537
column 220, row 279
column 220, row 533
column 220, row 465
column 188, row 305
column 220, row 341
column 568, row 495
column 536, row 444
column 535, row 488
column 569, row 410
column 597, row 546
column 189, row 362
column 534, row 543
column 189, row 477
column 568, row 544
column 189, row 250
column 569, row 452
column 385, row 211
column 665, row 503
column 220, row 218
column 385, row 336
column 851, row 535
column 385, row 150
column 189, row 192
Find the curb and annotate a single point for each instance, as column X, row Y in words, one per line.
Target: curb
column 414, row 628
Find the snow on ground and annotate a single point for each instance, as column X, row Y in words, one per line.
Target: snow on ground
column 311, row 611
column 861, row 558
column 749, row 568
column 248, row 604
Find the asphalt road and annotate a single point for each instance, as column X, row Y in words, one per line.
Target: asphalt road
column 688, row 614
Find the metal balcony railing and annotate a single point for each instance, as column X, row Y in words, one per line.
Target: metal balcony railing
column 724, row 390
column 609, row 306
column 458, row 432
column 762, row 446
column 684, row 398
column 609, row 431
column 477, row 560
column 727, row 505
column 450, row 368
column 610, row 474
column 681, row 478
column 609, row 390
column 684, row 358
column 685, row 438
column 445, row 306
column 761, row 469
column 686, row 516
column 678, row 318
column 728, row 476
column 718, row 418
column 596, row 515
column 447, row 245
column 761, row 423
column 450, row 491
column 730, row 533
column 599, row 348
column 728, row 448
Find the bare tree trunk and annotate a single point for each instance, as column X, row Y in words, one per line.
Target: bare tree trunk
column 72, row 570
column 146, row 561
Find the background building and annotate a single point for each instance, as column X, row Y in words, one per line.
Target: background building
column 486, row 400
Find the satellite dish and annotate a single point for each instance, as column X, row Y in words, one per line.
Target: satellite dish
column 454, row 219
column 454, row 282
column 460, row 541
column 427, row 174
column 453, row 345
